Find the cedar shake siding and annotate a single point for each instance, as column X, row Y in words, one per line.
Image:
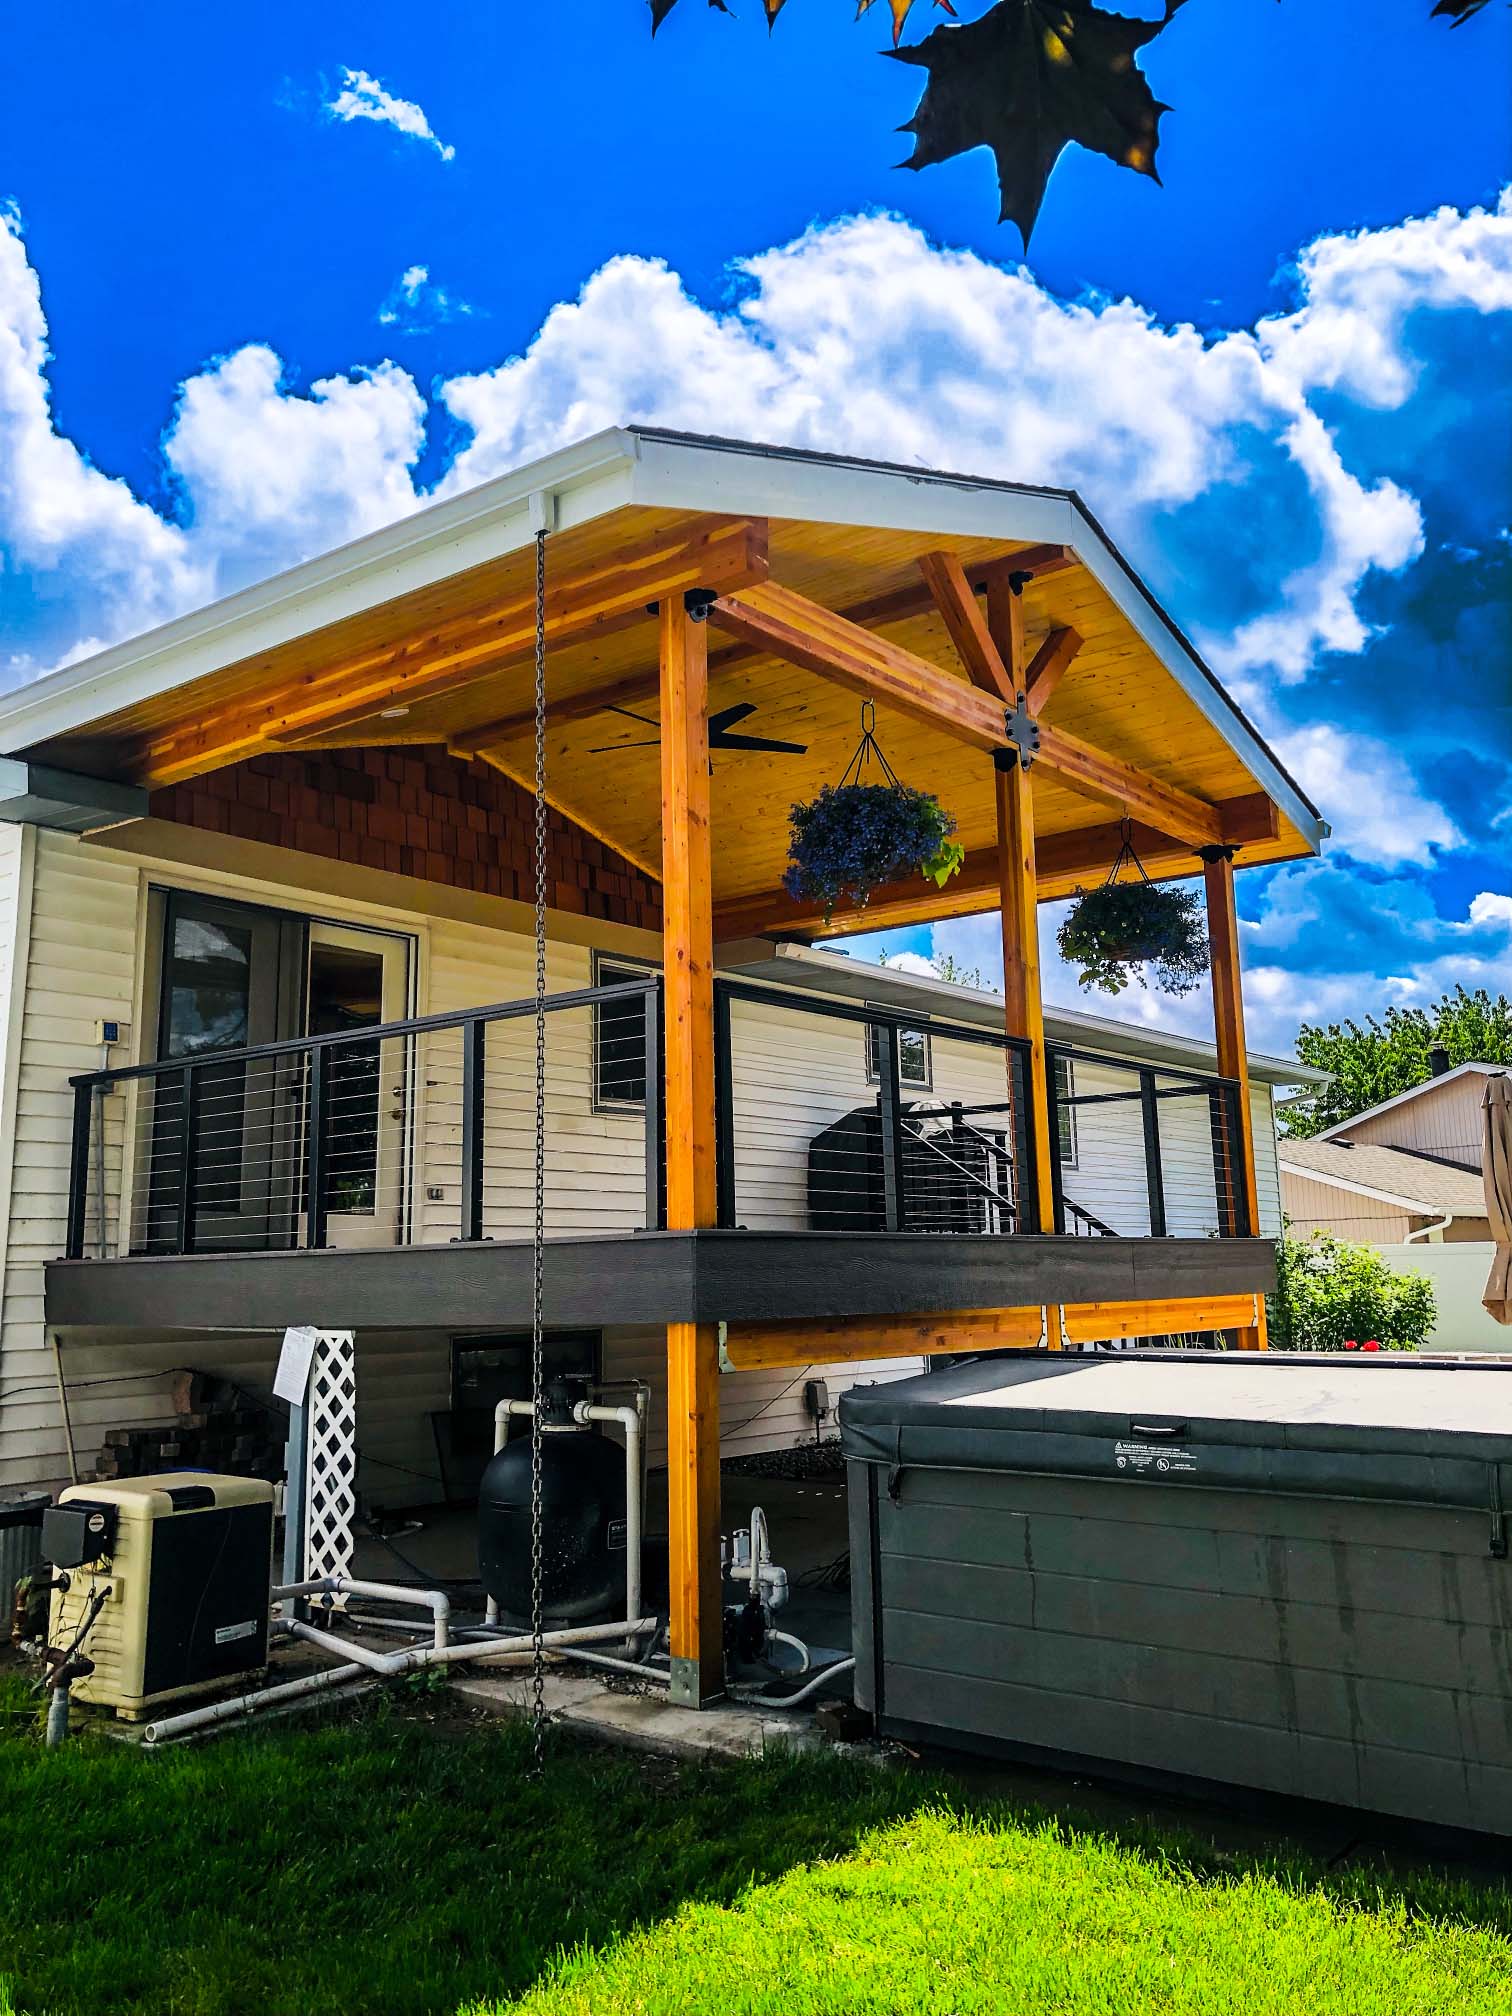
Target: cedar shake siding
column 414, row 812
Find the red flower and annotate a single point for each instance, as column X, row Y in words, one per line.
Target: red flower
column 1350, row 1344
column 1371, row 1344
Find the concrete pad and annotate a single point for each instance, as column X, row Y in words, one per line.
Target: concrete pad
column 645, row 1721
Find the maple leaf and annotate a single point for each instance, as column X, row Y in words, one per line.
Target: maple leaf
column 1025, row 80
column 660, row 9
column 900, row 11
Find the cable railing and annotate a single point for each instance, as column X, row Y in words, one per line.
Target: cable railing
column 416, row 1132
column 830, row 1116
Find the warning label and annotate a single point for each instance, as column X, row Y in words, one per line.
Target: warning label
column 1147, row 1459
column 229, row 1633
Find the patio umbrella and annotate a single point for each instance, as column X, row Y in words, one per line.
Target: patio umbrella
column 1496, row 1172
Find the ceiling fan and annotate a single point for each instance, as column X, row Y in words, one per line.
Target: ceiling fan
column 720, row 737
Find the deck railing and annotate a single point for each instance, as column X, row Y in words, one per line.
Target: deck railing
column 830, row 1116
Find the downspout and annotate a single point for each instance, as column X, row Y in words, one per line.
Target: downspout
column 1427, row 1231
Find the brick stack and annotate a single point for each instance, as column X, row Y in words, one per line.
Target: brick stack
column 414, row 812
column 215, row 1426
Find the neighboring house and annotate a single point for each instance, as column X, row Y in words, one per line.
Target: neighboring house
column 1405, row 1176
column 266, row 972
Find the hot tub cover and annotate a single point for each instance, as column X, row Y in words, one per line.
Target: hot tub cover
column 1392, row 1426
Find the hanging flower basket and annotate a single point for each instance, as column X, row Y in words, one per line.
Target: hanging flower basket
column 1113, row 933
column 856, row 836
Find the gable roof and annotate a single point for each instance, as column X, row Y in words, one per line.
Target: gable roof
column 631, row 477
column 1389, row 1175
column 1412, row 1092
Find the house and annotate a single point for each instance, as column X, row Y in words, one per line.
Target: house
column 269, row 1047
column 1405, row 1176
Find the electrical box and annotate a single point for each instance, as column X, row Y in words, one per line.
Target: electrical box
column 189, row 1568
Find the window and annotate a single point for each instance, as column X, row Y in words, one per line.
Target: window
column 914, row 1062
column 619, row 1035
column 1065, row 1116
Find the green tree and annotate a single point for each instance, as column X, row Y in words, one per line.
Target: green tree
column 1378, row 1059
column 1331, row 1292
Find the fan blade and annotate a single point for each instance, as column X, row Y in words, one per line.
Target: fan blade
column 608, row 748
column 760, row 743
column 728, row 716
column 631, row 715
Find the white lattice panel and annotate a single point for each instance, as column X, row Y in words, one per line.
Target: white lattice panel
column 331, row 1458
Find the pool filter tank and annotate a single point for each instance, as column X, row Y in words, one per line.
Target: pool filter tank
column 582, row 1518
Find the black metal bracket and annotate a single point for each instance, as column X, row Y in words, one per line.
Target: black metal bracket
column 698, row 602
column 1216, row 853
column 1022, row 730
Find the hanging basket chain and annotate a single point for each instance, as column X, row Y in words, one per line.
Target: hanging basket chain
column 1126, row 856
column 538, row 1251
column 868, row 750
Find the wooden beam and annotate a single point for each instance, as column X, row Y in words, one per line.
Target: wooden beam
column 892, row 606
column 1062, row 860
column 1233, row 1058
column 821, row 641
column 695, row 1603
column 589, row 602
column 1088, row 1322
column 1018, row 897
column 845, row 1340
column 790, row 626
column 1048, row 667
column 963, row 618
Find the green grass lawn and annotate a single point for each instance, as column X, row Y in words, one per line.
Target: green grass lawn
column 386, row 1865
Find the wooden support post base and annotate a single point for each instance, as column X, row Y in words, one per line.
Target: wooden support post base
column 696, row 1591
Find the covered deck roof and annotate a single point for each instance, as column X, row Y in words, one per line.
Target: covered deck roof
column 833, row 579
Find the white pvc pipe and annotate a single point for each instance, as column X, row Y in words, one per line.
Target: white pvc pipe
column 787, row 1638
column 249, row 1704
column 804, row 1693
column 434, row 1600
column 409, row 1657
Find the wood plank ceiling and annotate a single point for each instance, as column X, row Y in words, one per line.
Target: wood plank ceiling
column 1115, row 695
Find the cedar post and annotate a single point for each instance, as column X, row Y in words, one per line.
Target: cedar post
column 697, row 1621
column 1023, row 1010
column 1228, row 1024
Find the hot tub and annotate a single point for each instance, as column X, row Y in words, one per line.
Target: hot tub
column 1286, row 1572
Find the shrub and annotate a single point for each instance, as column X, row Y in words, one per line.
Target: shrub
column 1332, row 1294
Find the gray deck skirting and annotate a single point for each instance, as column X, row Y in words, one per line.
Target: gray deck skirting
column 646, row 1277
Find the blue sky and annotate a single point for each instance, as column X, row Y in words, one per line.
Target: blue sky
column 278, row 319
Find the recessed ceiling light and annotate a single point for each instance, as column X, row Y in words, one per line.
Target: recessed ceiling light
column 393, row 713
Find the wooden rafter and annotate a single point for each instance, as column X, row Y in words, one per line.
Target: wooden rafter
column 519, row 774
column 963, row 618
column 792, row 627
column 1060, row 860
column 896, row 605
column 710, row 552
column 1048, row 667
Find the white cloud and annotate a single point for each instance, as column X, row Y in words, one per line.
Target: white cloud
column 1377, row 811
column 363, row 97
column 416, row 304
column 1491, row 911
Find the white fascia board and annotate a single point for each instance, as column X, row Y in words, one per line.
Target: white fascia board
column 425, row 548
column 683, row 473
column 1416, row 1205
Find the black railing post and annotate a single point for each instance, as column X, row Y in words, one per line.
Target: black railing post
column 1154, row 1175
column 655, row 1140
column 317, row 1121
column 1052, row 1135
column 890, row 1114
column 724, row 1109
column 78, row 1171
column 189, row 1099
column 474, row 1040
